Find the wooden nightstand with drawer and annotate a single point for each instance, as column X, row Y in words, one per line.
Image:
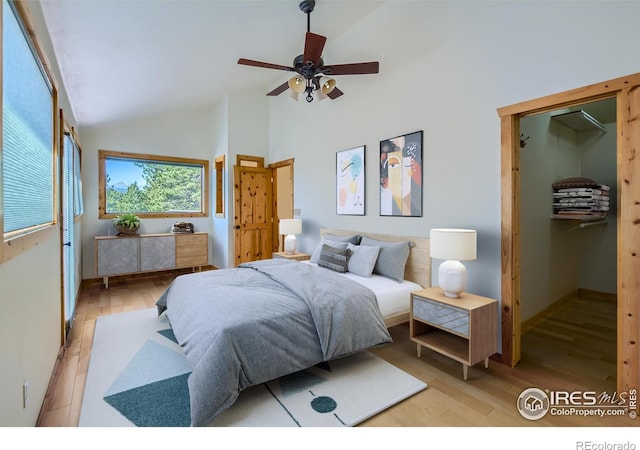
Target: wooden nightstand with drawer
column 464, row 329
column 295, row 256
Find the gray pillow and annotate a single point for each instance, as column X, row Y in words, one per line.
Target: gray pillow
column 334, row 258
column 392, row 258
column 316, row 253
column 363, row 259
column 354, row 239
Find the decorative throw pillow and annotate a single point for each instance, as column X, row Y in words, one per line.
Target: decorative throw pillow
column 392, row 258
column 363, row 259
column 336, row 259
column 316, row 253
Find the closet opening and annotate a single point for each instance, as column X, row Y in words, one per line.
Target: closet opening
column 626, row 91
column 568, row 244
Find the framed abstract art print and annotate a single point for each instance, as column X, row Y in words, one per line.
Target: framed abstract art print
column 350, row 182
column 401, row 175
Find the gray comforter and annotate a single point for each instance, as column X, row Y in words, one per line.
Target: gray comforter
column 247, row 325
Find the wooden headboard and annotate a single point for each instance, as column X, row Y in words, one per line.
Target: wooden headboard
column 418, row 268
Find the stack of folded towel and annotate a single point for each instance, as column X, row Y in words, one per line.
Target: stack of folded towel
column 580, row 197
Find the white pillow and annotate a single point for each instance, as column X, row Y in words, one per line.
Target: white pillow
column 363, row 259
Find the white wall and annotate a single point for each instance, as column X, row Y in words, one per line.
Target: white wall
column 598, row 243
column 221, row 228
column 557, row 256
column 183, row 134
column 235, row 125
column 445, row 67
column 30, row 300
column 549, row 248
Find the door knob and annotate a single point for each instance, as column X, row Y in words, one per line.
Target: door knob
column 237, row 227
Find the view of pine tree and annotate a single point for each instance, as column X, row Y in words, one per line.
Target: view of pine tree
column 171, row 187
column 167, row 187
column 132, row 200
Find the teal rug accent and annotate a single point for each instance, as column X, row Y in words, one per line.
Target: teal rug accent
column 163, row 403
column 138, row 377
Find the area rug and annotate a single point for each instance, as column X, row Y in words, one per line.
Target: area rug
column 138, row 377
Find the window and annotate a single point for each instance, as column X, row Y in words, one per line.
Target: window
column 152, row 186
column 28, row 182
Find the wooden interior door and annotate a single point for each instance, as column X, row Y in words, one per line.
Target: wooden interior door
column 253, row 213
column 282, row 198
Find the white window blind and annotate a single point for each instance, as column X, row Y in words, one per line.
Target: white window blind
column 77, row 181
column 27, row 119
column 68, row 227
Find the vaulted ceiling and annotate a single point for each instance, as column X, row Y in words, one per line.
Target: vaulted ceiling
column 122, row 59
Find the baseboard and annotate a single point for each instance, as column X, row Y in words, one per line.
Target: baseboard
column 596, row 295
column 48, row 396
column 581, row 293
column 533, row 321
column 133, row 276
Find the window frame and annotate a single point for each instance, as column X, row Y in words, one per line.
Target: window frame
column 103, row 155
column 19, row 241
column 78, row 199
column 219, row 166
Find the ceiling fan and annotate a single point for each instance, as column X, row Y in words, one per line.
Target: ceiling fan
column 311, row 72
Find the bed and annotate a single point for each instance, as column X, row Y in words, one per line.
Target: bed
column 244, row 326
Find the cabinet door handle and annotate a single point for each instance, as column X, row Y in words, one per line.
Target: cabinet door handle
column 237, row 227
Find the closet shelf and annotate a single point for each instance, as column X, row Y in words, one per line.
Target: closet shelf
column 579, row 121
column 585, row 221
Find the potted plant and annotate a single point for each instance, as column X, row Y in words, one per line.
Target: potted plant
column 127, row 223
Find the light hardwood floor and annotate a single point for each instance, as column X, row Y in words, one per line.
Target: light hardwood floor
column 574, row 349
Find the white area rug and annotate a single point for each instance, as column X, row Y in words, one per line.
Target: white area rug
column 137, row 377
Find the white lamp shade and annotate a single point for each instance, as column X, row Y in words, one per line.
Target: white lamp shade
column 453, row 244
column 290, row 226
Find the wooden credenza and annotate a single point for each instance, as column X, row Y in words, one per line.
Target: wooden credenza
column 115, row 255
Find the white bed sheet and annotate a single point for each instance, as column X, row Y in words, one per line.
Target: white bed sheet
column 393, row 297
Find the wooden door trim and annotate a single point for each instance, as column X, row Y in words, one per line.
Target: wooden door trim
column 279, row 242
column 627, row 93
column 237, row 225
column 249, row 161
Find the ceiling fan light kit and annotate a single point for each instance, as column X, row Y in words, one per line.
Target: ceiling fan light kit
column 312, row 74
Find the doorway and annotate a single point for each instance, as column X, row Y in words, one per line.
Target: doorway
column 262, row 196
column 568, row 243
column 627, row 94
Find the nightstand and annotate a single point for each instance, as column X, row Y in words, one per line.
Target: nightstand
column 296, row 256
column 464, row 329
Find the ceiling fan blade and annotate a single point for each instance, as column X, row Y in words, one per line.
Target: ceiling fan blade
column 335, row 93
column 280, row 89
column 352, row 69
column 313, row 46
column 251, row 62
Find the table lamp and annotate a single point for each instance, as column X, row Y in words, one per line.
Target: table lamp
column 453, row 245
column 290, row 227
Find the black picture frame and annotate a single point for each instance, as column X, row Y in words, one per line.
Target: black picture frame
column 401, row 175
